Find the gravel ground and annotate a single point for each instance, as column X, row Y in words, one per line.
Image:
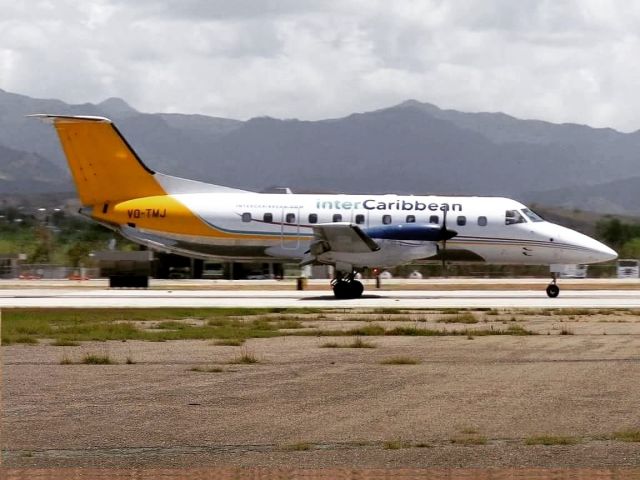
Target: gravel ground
column 469, row 403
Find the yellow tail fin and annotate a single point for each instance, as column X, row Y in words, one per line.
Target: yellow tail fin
column 104, row 167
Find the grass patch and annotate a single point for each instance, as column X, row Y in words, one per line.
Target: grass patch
column 367, row 330
column 60, row 342
column 93, row 359
column 468, row 441
column 230, row 342
column 24, row 339
column 551, row 440
column 466, row 317
column 400, row 361
column 207, row 369
column 245, row 358
column 77, row 325
column 627, row 436
column 395, row 445
column 297, row 447
column 356, row 343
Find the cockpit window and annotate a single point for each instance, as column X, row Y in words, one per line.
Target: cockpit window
column 513, row 216
column 531, row 215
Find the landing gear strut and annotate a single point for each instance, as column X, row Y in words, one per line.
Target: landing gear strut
column 346, row 286
column 553, row 290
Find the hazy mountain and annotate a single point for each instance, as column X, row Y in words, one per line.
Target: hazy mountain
column 410, row 148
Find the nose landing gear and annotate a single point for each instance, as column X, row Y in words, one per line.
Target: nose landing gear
column 553, row 290
column 346, row 286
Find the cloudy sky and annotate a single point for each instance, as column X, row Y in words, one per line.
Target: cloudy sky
column 557, row 60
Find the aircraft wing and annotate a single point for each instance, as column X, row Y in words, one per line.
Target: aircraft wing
column 341, row 237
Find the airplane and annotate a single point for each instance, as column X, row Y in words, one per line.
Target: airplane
column 349, row 232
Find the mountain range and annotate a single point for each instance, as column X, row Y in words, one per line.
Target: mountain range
column 412, row 147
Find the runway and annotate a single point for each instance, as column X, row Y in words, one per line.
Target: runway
column 107, row 298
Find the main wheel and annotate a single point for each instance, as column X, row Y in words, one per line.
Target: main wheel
column 356, row 289
column 342, row 290
column 553, row 290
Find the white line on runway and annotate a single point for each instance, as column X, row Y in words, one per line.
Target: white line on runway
column 99, row 298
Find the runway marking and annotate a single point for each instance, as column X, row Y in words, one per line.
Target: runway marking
column 99, row 298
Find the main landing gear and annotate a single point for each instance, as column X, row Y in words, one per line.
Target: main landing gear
column 553, row 290
column 346, row 286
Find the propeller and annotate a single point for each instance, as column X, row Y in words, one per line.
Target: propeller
column 444, row 233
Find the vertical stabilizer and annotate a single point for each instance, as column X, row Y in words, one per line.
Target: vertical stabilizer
column 105, row 168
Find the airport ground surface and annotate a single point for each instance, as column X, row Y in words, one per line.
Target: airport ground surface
column 472, row 399
column 431, row 293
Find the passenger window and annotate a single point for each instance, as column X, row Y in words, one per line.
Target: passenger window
column 513, row 216
column 461, row 220
column 267, row 217
column 386, row 219
column 246, row 217
column 434, row 219
column 290, row 218
column 337, row 217
column 482, row 221
column 359, row 219
column 411, row 219
column 313, row 218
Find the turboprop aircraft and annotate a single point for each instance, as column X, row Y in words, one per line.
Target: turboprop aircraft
column 350, row 232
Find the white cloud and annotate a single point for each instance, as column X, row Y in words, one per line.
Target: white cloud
column 555, row 60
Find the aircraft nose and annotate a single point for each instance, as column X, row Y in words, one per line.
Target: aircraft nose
column 591, row 249
column 604, row 253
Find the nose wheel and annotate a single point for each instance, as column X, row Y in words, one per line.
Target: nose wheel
column 553, row 290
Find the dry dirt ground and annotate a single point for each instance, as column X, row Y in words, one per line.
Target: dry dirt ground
column 469, row 402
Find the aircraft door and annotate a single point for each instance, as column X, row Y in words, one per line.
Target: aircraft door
column 290, row 228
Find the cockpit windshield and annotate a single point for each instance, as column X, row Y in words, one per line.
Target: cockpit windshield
column 513, row 216
column 531, row 215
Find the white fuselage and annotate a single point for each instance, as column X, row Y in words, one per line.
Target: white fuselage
column 280, row 226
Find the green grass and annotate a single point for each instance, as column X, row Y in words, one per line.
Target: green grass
column 551, row 440
column 627, row 436
column 76, row 325
column 400, row 361
column 230, row 325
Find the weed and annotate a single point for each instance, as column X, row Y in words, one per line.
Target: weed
column 551, row 440
column 93, row 359
column 566, row 331
column 246, row 357
column 400, row 361
column 469, row 431
column 66, row 360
